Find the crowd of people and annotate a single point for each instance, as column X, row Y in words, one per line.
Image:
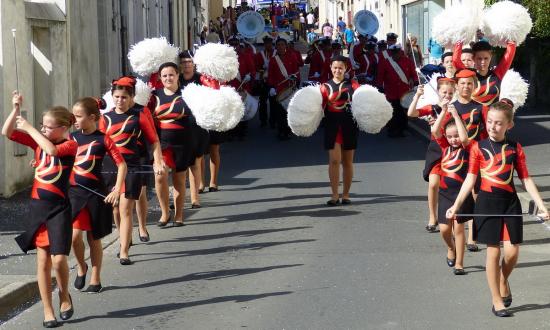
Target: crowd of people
column 98, row 174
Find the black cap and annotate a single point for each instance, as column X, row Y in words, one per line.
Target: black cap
column 391, row 35
column 325, row 41
column 381, row 42
column 267, row 38
column 336, row 44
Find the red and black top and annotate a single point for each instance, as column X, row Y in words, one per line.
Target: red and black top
column 89, row 158
column 125, row 128
column 51, row 174
column 337, row 97
column 430, row 110
column 487, row 90
column 474, row 115
column 171, row 115
column 496, row 162
column 454, row 167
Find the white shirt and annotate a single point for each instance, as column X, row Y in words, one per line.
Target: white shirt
column 302, row 20
column 310, row 18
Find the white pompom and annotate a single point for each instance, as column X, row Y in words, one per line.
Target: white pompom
column 143, row 93
column 506, row 21
column 457, row 23
column 218, row 61
column 430, row 95
column 370, row 109
column 108, row 97
column 218, row 110
column 514, row 88
column 305, row 111
column 147, row 55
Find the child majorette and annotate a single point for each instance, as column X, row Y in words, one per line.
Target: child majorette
column 49, row 228
column 91, row 211
column 495, row 160
column 123, row 124
column 445, row 90
column 453, row 140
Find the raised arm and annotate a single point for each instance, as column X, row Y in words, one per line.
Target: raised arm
column 506, row 61
column 413, row 111
column 436, row 127
column 9, row 124
column 457, row 54
column 462, row 133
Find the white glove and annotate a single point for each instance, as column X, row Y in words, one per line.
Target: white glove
column 316, row 75
column 247, row 78
column 346, row 75
column 272, row 92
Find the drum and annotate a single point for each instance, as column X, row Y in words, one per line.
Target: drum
column 284, row 97
column 250, row 107
column 407, row 99
column 309, row 83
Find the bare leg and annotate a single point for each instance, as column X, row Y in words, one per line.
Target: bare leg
column 163, row 195
column 433, row 195
column 459, row 244
column 178, row 179
column 511, row 254
column 195, row 180
column 493, row 275
column 126, row 207
column 141, row 211
column 335, row 158
column 96, row 256
column 116, row 217
column 201, row 182
column 214, row 164
column 347, row 171
column 43, row 274
column 446, row 232
column 61, row 268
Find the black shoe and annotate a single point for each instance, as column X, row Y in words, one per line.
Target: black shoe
column 65, row 315
column 178, row 224
column 459, row 271
column 346, row 201
column 201, row 191
column 50, row 324
column 501, row 313
column 93, row 288
column 332, row 202
column 451, row 262
column 145, row 238
column 213, row 189
column 171, row 206
column 80, row 281
column 164, row 223
column 472, row 247
column 507, row 300
column 195, row 206
column 125, row 261
column 431, row 228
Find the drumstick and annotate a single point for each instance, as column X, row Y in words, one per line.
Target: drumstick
column 15, row 53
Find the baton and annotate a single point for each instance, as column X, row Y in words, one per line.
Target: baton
column 91, row 190
column 15, row 53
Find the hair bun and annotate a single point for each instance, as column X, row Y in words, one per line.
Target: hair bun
column 101, row 103
column 507, row 101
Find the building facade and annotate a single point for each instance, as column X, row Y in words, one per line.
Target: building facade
column 67, row 49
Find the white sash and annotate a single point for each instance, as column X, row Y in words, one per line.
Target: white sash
column 281, row 66
column 322, row 55
column 398, row 70
column 376, row 57
column 351, row 58
column 385, row 54
column 368, row 62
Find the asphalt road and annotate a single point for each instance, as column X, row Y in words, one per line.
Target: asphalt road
column 266, row 253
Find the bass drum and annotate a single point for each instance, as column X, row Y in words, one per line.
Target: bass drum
column 250, row 107
column 285, row 96
column 407, row 99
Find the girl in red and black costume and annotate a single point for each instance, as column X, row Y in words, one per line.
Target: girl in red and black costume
column 90, row 211
column 49, row 228
column 340, row 128
column 455, row 147
column 188, row 75
column 445, row 89
column 123, row 125
column 173, row 120
column 495, row 160
column 487, row 89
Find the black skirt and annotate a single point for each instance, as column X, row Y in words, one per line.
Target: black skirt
column 487, row 230
column 445, row 201
column 101, row 213
column 132, row 183
column 57, row 218
column 340, row 120
column 433, row 158
column 216, row 137
column 202, row 141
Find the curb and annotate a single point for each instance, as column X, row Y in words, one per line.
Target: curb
column 23, row 290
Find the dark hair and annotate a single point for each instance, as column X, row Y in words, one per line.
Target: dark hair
column 91, row 105
column 281, row 40
column 481, row 46
column 506, row 106
column 168, row 65
column 467, row 51
column 186, row 54
column 339, row 58
column 445, row 55
column 450, row 123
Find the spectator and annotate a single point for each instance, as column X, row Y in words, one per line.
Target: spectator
column 204, row 32
column 212, row 37
column 310, row 20
column 312, row 36
column 435, row 50
column 296, row 28
column 303, row 26
column 327, row 30
column 413, row 51
column 349, row 37
column 341, row 25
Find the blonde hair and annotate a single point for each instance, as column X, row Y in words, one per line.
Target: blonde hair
column 62, row 116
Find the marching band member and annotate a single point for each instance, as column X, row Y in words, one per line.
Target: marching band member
column 356, row 52
column 340, row 129
column 283, row 74
column 262, row 61
column 319, row 69
column 90, row 212
column 49, row 229
column 123, row 124
column 396, row 76
column 296, row 53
